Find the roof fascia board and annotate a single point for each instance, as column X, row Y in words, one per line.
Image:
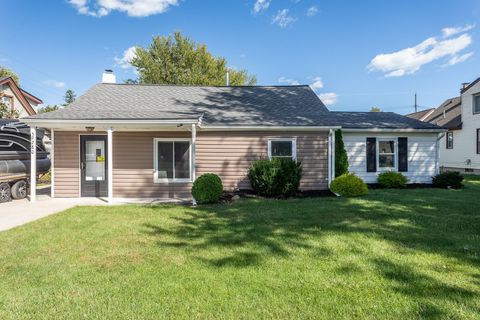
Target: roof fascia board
column 268, row 128
column 395, row 130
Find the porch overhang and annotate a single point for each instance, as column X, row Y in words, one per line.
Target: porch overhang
column 118, row 124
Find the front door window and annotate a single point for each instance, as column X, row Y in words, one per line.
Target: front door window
column 94, row 160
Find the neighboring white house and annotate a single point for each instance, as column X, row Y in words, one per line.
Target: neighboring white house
column 460, row 146
column 24, row 103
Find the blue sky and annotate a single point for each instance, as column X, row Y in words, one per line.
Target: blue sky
column 355, row 54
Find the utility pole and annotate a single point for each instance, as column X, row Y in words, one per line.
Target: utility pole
column 416, row 106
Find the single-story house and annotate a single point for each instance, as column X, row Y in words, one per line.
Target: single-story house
column 124, row 140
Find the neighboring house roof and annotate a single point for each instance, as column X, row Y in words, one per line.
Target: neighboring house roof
column 31, row 96
column 380, row 120
column 216, row 106
column 21, row 95
column 448, row 114
column 471, row 84
column 420, row 115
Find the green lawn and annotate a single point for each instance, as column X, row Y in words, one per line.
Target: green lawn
column 393, row 254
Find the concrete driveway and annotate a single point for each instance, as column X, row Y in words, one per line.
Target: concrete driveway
column 18, row 212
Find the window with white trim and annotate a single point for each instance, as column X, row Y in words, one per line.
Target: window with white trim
column 449, row 140
column 386, row 154
column 172, row 160
column 282, row 148
column 476, row 104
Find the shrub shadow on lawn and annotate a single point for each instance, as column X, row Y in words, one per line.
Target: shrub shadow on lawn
column 248, row 233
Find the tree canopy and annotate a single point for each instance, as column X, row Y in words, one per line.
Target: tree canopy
column 176, row 59
column 4, row 72
column 69, row 97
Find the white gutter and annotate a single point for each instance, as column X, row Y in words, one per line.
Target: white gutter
column 396, row 130
column 107, row 122
column 268, row 128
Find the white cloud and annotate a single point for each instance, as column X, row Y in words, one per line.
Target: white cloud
column 125, row 61
column 134, row 8
column 317, row 83
column 283, row 19
column 54, row 83
column 410, row 60
column 312, row 11
column 450, row 31
column 286, row 80
column 261, row 5
column 328, row 98
column 458, row 59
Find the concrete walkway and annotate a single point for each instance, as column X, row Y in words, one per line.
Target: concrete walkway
column 18, row 212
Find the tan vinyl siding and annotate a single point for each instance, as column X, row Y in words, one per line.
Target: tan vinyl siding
column 133, row 167
column 67, row 164
column 230, row 154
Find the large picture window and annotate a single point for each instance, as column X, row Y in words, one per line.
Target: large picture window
column 450, row 140
column 172, row 160
column 386, row 154
column 282, row 148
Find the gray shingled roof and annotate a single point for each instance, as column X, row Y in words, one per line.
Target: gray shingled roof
column 419, row 114
column 249, row 105
column 448, row 114
column 380, row 120
column 220, row 106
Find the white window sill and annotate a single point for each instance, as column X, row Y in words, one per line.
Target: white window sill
column 172, row 181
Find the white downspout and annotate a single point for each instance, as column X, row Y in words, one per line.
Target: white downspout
column 333, row 155
column 437, row 153
column 329, row 157
column 33, row 164
column 110, row 163
column 193, row 151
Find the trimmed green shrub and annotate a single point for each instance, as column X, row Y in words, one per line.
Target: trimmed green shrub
column 448, row 179
column 276, row 177
column 349, row 185
column 392, row 180
column 341, row 158
column 207, row 188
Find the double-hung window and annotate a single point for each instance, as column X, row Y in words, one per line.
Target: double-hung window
column 476, row 104
column 386, row 154
column 282, row 148
column 172, row 160
column 478, row 141
column 450, row 140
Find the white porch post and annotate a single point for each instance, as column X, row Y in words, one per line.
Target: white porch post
column 110, row 163
column 33, row 164
column 333, row 155
column 194, row 138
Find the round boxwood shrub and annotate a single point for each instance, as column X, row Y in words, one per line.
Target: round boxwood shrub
column 349, row 185
column 276, row 177
column 207, row 188
column 392, row 180
column 448, row 179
